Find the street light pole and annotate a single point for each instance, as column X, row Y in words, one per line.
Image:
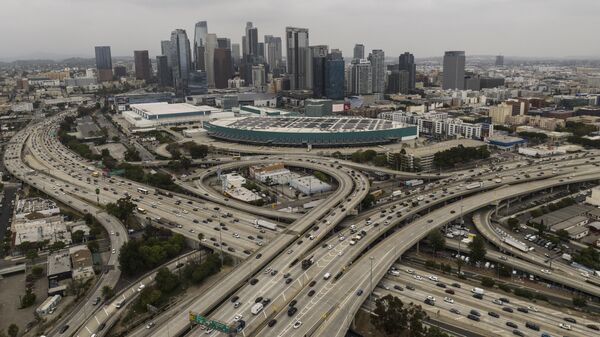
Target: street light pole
column 371, row 280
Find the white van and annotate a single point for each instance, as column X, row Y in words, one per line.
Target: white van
column 258, row 307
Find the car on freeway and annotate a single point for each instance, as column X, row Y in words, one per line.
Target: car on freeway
column 272, row 323
column 448, row 300
column 518, row 333
column 494, row 314
column 454, row 311
column 297, row 324
column 565, row 326
column 570, row 320
column 512, row 325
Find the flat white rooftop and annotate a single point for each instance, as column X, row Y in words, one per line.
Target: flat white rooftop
column 163, row 108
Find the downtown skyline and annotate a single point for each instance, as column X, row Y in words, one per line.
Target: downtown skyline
column 499, row 27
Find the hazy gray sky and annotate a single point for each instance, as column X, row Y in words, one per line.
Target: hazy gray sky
column 540, row 28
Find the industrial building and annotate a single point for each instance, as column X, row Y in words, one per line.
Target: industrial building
column 309, row 185
column 310, row 131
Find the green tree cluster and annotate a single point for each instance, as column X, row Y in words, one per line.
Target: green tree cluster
column 196, row 151
column 363, row 156
column 459, row 155
column 395, row 319
column 589, row 257
column 197, row 272
column 122, row 209
column 533, row 138
column 578, row 129
column 132, row 155
column 436, row 240
column 141, row 255
column 28, row 299
column 477, row 249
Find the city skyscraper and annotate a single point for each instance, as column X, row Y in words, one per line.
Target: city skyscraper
column 211, row 45
column 235, row 53
column 197, row 83
column 222, row 67
column 454, row 70
column 273, row 53
column 359, row 52
column 200, row 32
column 334, row 76
column 499, row 61
column 223, row 42
column 104, row 63
column 298, row 57
column 165, row 47
column 143, row 69
column 258, row 76
column 319, row 55
column 406, row 62
column 163, row 71
column 377, row 59
column 181, row 60
column 362, row 77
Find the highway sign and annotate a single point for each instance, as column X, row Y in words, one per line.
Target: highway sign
column 216, row 325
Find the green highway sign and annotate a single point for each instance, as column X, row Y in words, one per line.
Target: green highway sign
column 216, row 325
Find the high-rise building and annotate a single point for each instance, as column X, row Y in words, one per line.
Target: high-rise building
column 359, row 52
column 454, row 70
column 362, row 77
column 163, row 71
column 319, row 55
column 235, row 53
column 252, row 39
column 336, row 53
column 222, row 67
column 181, row 60
column 211, row 45
column 200, row 32
column 406, row 62
column 334, row 76
column 273, row 52
column 298, row 57
column 197, row 83
column 143, row 69
column 377, row 59
column 224, row 43
column 258, row 76
column 165, row 47
column 499, row 61
column 120, row 71
column 104, row 63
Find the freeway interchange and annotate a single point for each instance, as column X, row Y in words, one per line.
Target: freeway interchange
column 344, row 270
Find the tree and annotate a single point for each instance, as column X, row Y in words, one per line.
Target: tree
column 31, row 255
column 13, row 330
column 579, row 302
column 28, row 299
column 368, row 201
column 166, row 281
column 93, row 246
column 37, row 271
column 563, row 235
column 541, row 227
column 122, row 209
column 58, row 245
column 107, row 292
column 477, row 248
column 487, row 282
column 389, row 315
column 436, row 240
column 78, row 236
column 513, row 223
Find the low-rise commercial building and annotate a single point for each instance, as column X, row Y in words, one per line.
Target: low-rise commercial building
column 309, row 185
